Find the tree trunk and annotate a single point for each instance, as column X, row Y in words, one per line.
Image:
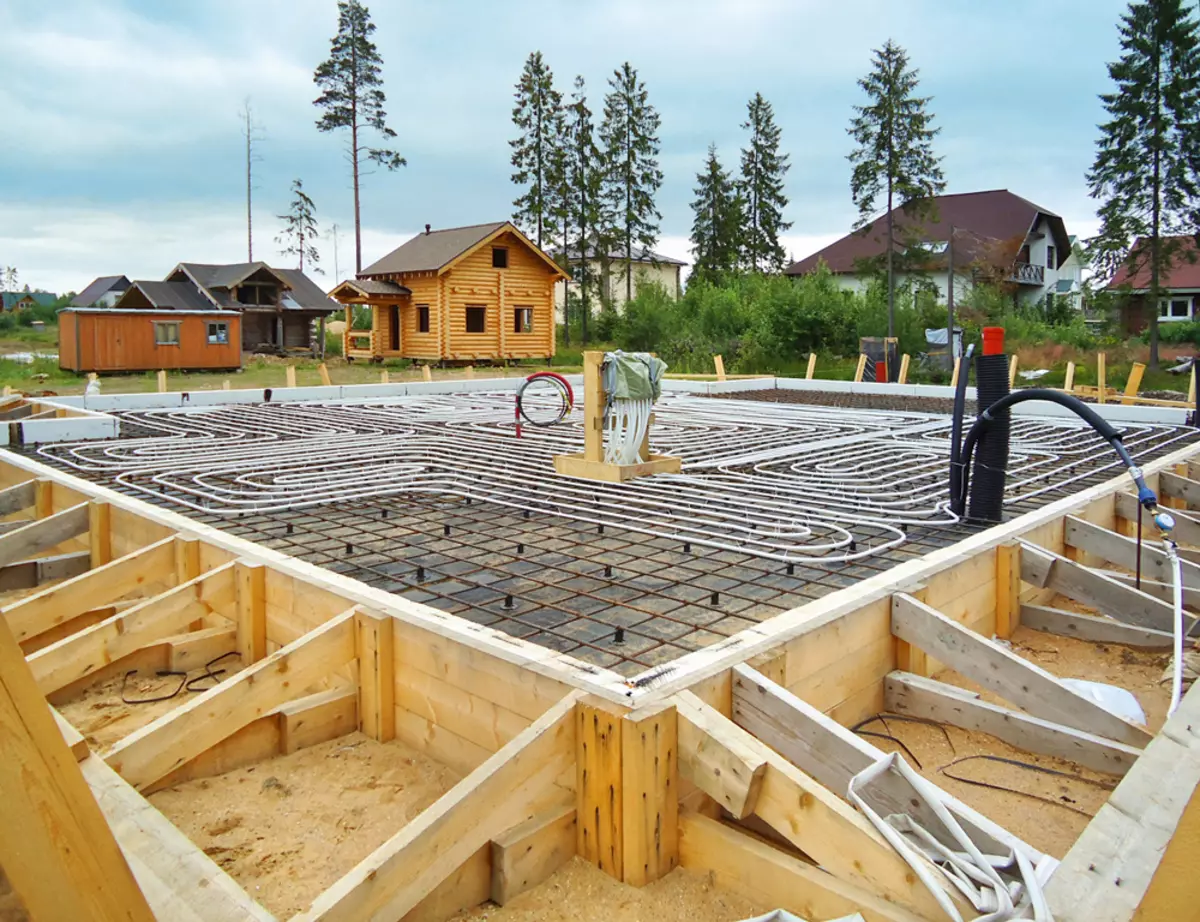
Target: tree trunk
column 1156, row 207
column 354, row 162
column 891, row 278
column 249, row 224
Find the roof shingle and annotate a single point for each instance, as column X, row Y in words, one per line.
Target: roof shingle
column 429, row 251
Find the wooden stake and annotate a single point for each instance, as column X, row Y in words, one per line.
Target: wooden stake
column 225, row 385
column 162, row 381
column 324, row 373
column 376, row 675
column 593, row 408
column 470, row 372
column 43, row 503
column 1012, row 371
column 862, row 366
column 954, row 375
column 1191, row 398
column 426, row 373
column 99, row 533
column 251, row 580
column 1069, row 379
column 812, row 366
column 1101, row 376
column 903, row 376
column 719, row 364
column 1008, row 589
column 1134, row 382
column 383, row 377
column 290, row 374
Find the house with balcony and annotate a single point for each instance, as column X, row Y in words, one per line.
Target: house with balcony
column 996, row 236
column 1179, row 286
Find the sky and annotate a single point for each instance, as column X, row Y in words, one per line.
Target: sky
column 123, row 148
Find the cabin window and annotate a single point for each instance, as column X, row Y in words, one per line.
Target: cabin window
column 218, row 334
column 499, row 257
column 476, row 318
column 523, row 320
column 1175, row 309
column 422, row 318
column 1051, row 263
column 166, row 332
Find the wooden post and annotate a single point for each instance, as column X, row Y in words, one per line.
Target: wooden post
column 426, row 373
column 1069, row 380
column 58, row 852
column 225, row 385
column 346, row 331
column 1012, row 371
column 162, row 381
column 593, row 407
column 1134, row 383
column 251, row 582
column 43, row 498
column 1008, row 589
column 376, row 649
column 7, row 390
column 909, row 657
column 1101, row 377
column 954, row 374
column 902, row 378
column 383, row 376
column 599, row 799
column 324, row 373
column 719, row 364
column 290, row 373
column 650, row 796
column 1191, row 398
column 812, row 366
column 99, row 533
column 862, row 366
column 470, row 372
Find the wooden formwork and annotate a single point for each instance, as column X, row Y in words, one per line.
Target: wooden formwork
column 690, row 767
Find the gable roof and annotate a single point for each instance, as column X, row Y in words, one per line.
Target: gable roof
column 303, row 293
column 100, row 287
column 366, row 288
column 980, row 221
column 1185, row 273
column 640, row 255
column 181, row 296
column 11, row 298
column 214, row 283
column 436, row 250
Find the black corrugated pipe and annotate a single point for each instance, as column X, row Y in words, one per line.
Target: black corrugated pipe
column 991, row 466
column 956, row 420
column 988, row 418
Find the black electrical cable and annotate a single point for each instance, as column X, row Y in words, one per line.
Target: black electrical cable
column 1028, row 766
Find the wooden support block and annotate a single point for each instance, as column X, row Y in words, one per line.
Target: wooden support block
column 1008, row 589
column 1093, row 629
column 57, row 851
column 526, row 855
column 904, row 362
column 860, row 368
column 324, row 373
column 812, row 366
column 376, row 675
column 290, row 376
column 203, row 721
column 1012, row 371
column 1101, row 376
column 251, row 581
column 909, row 657
column 43, row 534
column 719, row 364
column 193, row 650
column 317, row 718
column 426, row 374
column 162, row 381
column 1003, row 672
column 1134, row 383
column 599, row 799
column 514, row 784
column 187, row 558
column 99, row 533
column 650, row 795
column 720, row 763
column 917, row 696
column 1069, row 379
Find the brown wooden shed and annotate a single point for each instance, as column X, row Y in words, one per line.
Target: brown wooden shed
column 114, row 340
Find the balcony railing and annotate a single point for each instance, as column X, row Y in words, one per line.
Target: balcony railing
column 1028, row 274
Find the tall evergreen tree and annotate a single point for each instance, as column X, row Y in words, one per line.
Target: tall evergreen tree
column 352, row 96
column 632, row 178
column 537, row 116
column 1147, row 168
column 300, row 228
column 763, row 170
column 717, row 221
column 586, row 209
column 894, row 133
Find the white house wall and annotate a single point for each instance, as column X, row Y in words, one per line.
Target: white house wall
column 666, row 275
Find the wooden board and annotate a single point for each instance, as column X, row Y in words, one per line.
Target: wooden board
column 524, row 856
column 1091, row 628
column 40, row 536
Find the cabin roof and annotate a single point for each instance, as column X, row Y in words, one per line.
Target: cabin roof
column 183, row 296
column 431, row 250
column 369, row 287
column 98, row 288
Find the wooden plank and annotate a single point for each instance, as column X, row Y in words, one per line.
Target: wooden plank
column 43, row 534
column 513, row 785
column 600, row 837
column 376, row 675
column 1191, row 597
column 17, row 497
column 80, row 655
column 1069, row 379
column 719, row 364
column 717, row 762
column 29, row 574
column 1093, row 629
column 38, row 613
column 860, row 368
column 466, row 888
column 1177, row 486
column 812, row 366
column 1047, row 570
column 1133, row 383
column 251, row 581
column 317, row 718
column 1123, row 551
column 921, row 697
column 203, row 721
column 650, row 795
column 524, row 856
column 1003, row 672
column 1101, row 370
column 99, row 533
column 1012, row 370
column 1008, row 589
column 72, row 737
column 57, row 851
column 193, row 650
column 768, row 876
column 43, row 502
column 904, row 362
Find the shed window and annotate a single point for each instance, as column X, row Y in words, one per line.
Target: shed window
column 476, row 318
column 523, row 320
column 218, row 334
column 422, row 318
column 499, row 257
column 1175, row 309
column 166, row 332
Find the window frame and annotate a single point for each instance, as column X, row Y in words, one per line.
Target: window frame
column 423, row 321
column 522, row 319
column 222, row 328
column 1051, row 261
column 499, row 257
column 158, row 340
column 469, row 312
column 1166, row 304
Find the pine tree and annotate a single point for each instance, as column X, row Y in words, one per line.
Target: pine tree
column 352, row 96
column 586, row 207
column 10, row 278
column 538, row 119
column 716, row 226
column 629, row 134
column 1147, row 167
column 895, row 133
column 300, row 228
column 763, row 170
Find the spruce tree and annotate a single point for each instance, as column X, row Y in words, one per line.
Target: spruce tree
column 537, row 116
column 352, row 96
column 629, row 134
column 763, row 170
column 894, row 133
column 717, row 220
column 300, row 228
column 1147, row 167
column 586, row 210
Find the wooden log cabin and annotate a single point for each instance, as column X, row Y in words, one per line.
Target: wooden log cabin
column 478, row 293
